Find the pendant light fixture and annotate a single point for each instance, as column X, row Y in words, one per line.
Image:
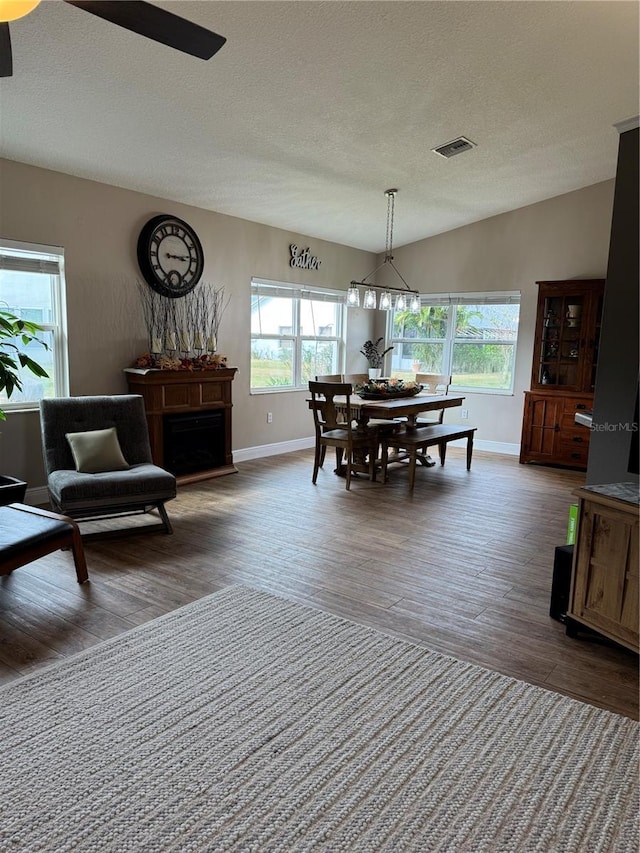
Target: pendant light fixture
column 405, row 296
column 386, row 301
column 353, row 297
column 370, row 299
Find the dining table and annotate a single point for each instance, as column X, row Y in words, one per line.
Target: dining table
column 388, row 408
column 401, row 407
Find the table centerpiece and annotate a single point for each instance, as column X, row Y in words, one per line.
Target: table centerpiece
column 386, row 389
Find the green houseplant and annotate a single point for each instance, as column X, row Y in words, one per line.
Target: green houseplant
column 373, row 354
column 13, row 332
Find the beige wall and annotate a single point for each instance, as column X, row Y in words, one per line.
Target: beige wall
column 98, row 225
column 562, row 238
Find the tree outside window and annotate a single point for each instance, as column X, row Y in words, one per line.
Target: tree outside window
column 474, row 341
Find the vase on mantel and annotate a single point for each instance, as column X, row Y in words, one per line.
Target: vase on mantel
column 375, row 372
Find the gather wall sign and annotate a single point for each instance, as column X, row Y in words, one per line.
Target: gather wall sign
column 303, row 259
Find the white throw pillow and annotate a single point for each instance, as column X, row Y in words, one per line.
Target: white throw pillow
column 96, row 451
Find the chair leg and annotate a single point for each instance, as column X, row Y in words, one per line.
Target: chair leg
column 349, row 461
column 323, row 451
column 373, row 458
column 162, row 512
column 413, row 458
column 317, row 461
column 77, row 549
column 384, row 459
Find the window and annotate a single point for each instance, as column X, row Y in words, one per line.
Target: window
column 32, row 288
column 471, row 336
column 296, row 334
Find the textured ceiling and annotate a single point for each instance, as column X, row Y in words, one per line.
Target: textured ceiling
column 312, row 109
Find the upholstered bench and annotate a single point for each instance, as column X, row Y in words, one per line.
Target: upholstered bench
column 27, row 533
column 412, row 445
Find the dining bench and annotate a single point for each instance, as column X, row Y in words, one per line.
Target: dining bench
column 413, row 444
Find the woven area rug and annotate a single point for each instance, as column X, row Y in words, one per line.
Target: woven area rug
column 245, row 722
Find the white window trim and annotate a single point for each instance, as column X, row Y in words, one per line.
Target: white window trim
column 59, row 299
column 494, row 297
column 298, row 292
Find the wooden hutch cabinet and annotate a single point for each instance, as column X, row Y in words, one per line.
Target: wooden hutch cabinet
column 563, row 375
column 604, row 586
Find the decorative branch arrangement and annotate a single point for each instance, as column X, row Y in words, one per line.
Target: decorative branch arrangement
column 183, row 333
column 153, row 311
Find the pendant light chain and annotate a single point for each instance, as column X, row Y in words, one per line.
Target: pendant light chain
column 391, row 204
column 406, row 298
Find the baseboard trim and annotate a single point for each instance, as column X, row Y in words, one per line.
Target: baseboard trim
column 37, row 496
column 248, row 453
column 262, row 450
column 491, row 446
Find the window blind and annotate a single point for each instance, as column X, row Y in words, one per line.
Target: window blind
column 497, row 297
column 274, row 289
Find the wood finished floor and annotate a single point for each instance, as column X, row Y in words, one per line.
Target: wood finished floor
column 463, row 566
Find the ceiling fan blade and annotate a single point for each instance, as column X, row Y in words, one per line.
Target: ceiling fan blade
column 6, row 61
column 155, row 23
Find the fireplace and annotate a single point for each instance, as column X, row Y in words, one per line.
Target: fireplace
column 189, row 418
column 193, row 442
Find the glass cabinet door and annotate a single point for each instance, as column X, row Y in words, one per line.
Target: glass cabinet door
column 567, row 335
column 562, row 341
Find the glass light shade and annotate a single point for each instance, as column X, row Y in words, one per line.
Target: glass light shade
column 11, row 10
column 401, row 302
column 414, row 304
column 385, row 300
column 369, row 299
column 353, row 297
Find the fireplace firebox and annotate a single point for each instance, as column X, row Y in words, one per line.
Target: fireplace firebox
column 193, row 442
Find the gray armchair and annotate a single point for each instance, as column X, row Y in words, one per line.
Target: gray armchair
column 139, row 487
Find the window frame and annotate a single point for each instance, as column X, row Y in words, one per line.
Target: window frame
column 17, row 256
column 452, row 301
column 298, row 293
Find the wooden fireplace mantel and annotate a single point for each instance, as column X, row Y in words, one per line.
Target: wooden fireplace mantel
column 168, row 392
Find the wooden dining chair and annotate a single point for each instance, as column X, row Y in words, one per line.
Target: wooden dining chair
column 433, row 383
column 328, row 377
column 333, row 423
column 356, row 378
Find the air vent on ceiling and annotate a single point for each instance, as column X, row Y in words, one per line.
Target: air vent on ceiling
column 456, row 146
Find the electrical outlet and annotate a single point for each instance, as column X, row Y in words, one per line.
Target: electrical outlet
column 269, row 417
column 464, row 414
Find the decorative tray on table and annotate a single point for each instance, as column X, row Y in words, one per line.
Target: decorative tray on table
column 387, row 389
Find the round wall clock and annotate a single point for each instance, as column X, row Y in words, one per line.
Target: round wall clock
column 170, row 255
